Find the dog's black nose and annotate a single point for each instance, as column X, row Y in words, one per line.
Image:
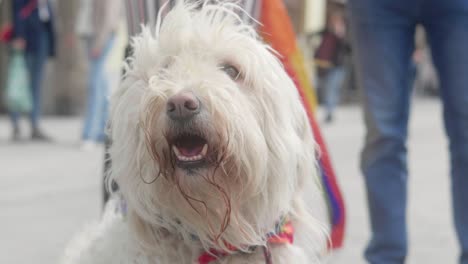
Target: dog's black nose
column 183, row 105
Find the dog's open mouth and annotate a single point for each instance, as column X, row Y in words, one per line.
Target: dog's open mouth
column 190, row 151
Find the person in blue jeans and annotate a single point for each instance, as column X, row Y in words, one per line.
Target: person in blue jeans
column 98, row 92
column 97, row 23
column 383, row 41
column 331, row 55
column 33, row 33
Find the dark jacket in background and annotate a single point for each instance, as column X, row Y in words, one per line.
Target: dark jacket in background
column 28, row 25
column 332, row 50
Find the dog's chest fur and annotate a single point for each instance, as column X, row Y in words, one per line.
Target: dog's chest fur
column 110, row 241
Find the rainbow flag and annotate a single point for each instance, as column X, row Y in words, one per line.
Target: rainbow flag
column 277, row 30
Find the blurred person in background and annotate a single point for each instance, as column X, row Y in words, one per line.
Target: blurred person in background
column 98, row 20
column 425, row 81
column 383, row 40
column 33, row 33
column 330, row 58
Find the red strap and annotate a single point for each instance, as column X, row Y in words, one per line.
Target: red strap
column 211, row 255
column 267, row 255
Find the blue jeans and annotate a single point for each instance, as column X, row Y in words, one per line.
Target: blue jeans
column 332, row 83
column 35, row 62
column 383, row 33
column 98, row 91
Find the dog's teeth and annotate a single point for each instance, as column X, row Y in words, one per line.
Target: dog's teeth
column 176, row 151
column 204, row 151
column 181, row 157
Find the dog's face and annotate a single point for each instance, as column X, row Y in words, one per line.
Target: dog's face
column 208, row 129
column 200, row 108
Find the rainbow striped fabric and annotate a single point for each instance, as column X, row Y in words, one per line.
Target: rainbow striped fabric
column 278, row 31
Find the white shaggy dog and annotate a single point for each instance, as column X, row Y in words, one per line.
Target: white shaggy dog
column 212, row 151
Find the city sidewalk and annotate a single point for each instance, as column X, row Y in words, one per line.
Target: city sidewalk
column 48, row 192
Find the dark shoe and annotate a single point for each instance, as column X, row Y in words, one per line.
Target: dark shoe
column 37, row 135
column 329, row 118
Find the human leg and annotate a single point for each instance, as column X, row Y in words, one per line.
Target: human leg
column 97, row 97
column 446, row 23
column 333, row 83
column 383, row 43
column 35, row 62
column 14, row 117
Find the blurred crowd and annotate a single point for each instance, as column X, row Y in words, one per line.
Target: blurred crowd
column 31, row 38
column 334, row 67
column 42, row 29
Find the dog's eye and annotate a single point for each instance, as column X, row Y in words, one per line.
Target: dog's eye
column 231, row 71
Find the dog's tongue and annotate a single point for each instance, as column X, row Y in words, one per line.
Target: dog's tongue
column 190, row 151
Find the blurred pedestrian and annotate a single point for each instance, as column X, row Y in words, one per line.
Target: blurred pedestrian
column 425, row 81
column 383, row 38
column 330, row 59
column 97, row 23
column 33, row 33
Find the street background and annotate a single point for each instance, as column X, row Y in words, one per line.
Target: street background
column 50, row 191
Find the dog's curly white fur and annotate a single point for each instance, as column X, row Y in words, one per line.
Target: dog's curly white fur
column 259, row 161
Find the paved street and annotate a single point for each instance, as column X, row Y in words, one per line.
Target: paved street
column 49, row 191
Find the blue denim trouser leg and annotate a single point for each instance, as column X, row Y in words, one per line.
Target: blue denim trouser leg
column 98, row 90
column 14, row 117
column 382, row 37
column 332, row 85
column 446, row 23
column 35, row 62
column 383, row 34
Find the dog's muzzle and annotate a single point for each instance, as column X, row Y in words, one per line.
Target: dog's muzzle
column 186, row 136
column 183, row 106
